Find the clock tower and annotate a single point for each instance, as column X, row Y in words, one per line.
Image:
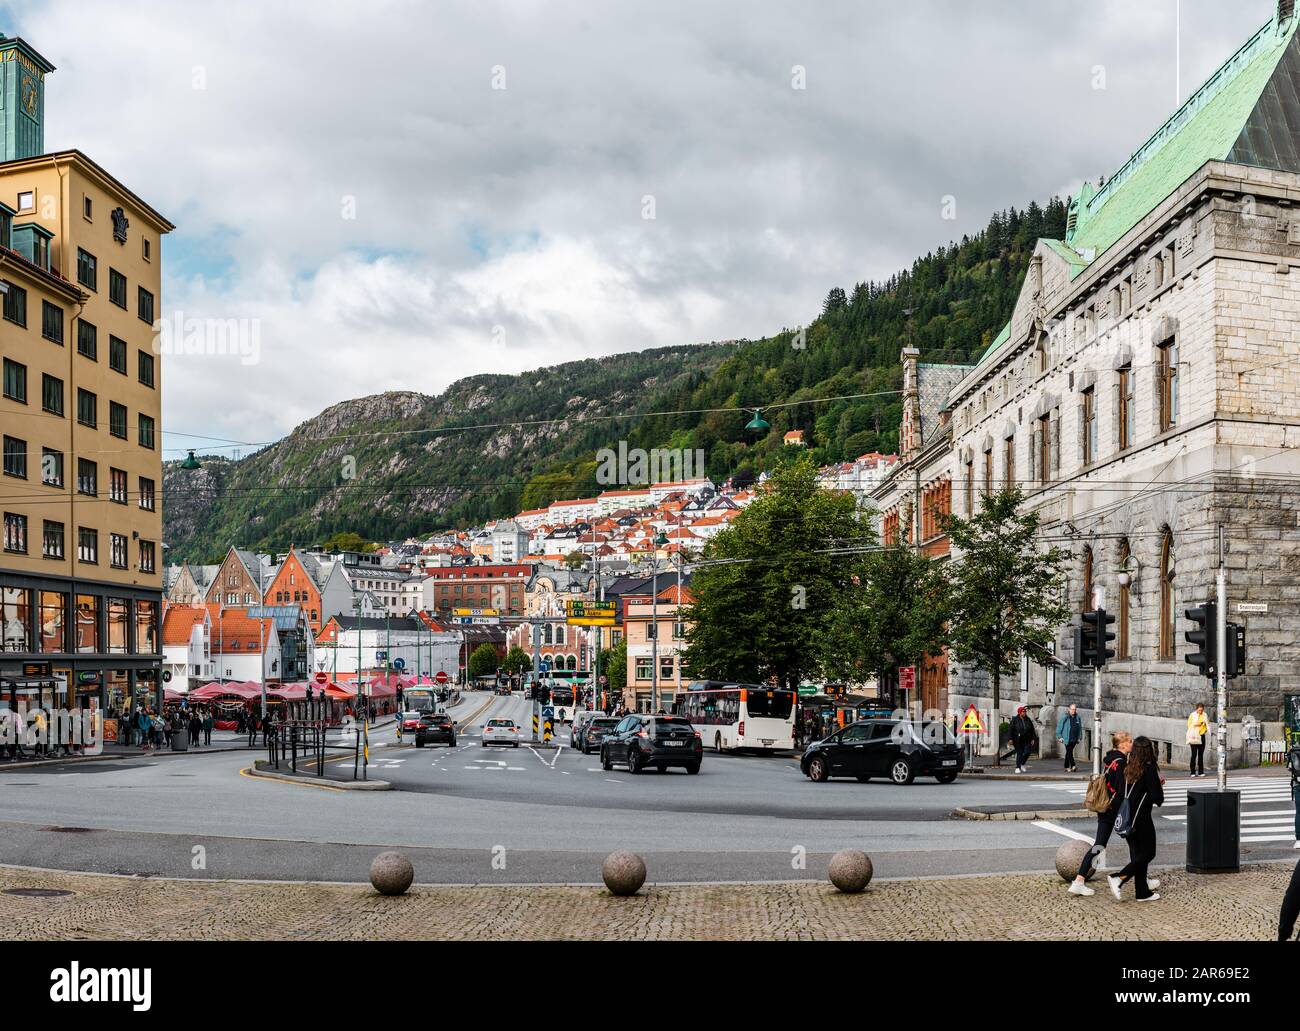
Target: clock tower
column 22, row 100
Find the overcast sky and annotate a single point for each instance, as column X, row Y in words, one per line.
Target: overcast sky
column 346, row 177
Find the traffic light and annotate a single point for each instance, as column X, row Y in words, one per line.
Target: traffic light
column 1236, row 650
column 1091, row 638
column 1205, row 637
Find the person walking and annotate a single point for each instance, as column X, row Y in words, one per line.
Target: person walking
column 1197, row 729
column 1112, row 768
column 207, row 726
column 1069, row 731
column 1024, row 735
column 1290, row 907
column 196, row 725
column 1143, row 791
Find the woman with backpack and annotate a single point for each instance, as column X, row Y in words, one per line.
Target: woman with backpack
column 1143, row 791
column 1106, row 790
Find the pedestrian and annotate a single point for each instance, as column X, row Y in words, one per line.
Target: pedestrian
column 1143, row 791
column 207, row 726
column 1293, row 760
column 1121, row 743
column 1197, row 728
column 196, row 725
column 1024, row 735
column 1290, row 907
column 1069, row 731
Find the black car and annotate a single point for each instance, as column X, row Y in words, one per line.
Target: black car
column 435, row 726
column 901, row 750
column 594, row 731
column 658, row 741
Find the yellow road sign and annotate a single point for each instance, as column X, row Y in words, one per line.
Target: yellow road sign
column 972, row 724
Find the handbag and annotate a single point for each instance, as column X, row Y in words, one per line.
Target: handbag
column 1193, row 736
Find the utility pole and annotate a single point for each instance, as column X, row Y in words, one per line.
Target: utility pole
column 654, row 638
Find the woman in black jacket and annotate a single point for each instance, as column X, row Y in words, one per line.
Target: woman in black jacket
column 1112, row 765
column 1143, row 790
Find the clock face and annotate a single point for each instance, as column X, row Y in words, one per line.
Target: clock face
column 31, row 97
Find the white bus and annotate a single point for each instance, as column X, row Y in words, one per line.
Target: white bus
column 730, row 716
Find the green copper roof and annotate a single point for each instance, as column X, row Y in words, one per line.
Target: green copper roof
column 1206, row 128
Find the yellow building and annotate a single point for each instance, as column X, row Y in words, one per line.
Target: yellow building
column 81, row 417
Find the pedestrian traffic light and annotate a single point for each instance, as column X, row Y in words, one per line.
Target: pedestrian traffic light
column 1091, row 638
column 1204, row 636
column 1235, row 660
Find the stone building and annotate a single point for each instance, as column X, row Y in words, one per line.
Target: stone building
column 1147, row 391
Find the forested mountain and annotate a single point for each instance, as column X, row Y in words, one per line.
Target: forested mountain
column 398, row 464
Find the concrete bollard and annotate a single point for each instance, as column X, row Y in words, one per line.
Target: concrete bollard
column 1068, row 858
column 391, row 873
column 850, row 870
column 623, row 873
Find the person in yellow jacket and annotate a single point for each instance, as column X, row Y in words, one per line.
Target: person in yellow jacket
column 1197, row 729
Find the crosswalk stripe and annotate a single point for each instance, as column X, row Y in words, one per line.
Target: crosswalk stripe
column 1271, row 837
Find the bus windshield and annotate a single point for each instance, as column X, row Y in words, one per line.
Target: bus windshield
column 771, row 704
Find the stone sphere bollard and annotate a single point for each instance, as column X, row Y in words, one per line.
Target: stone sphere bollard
column 391, row 873
column 623, row 873
column 1068, row 858
column 850, row 870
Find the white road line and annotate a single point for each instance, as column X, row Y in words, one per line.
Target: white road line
column 1272, row 837
column 613, row 781
column 1048, row 825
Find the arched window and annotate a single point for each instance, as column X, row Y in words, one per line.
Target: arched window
column 1167, row 595
column 1125, row 578
column 1085, row 603
column 546, row 634
column 559, row 634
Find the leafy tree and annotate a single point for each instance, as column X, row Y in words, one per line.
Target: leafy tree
column 779, row 571
column 1007, row 589
column 483, row 661
column 348, row 541
column 516, row 661
column 894, row 614
column 574, row 560
column 613, row 664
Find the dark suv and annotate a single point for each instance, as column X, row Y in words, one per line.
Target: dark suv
column 901, row 750
column 658, row 741
column 435, row 726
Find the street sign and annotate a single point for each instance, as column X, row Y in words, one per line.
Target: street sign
column 167, row 676
column 321, row 677
column 580, row 612
column 399, row 664
column 475, row 612
column 381, row 656
column 441, row 677
column 1256, row 608
column 548, row 712
column 972, row 724
column 810, row 689
column 907, row 678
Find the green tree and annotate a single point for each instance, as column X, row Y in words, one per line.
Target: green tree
column 613, row 664
column 348, row 541
column 574, row 560
column 483, row 661
column 516, row 661
column 1007, row 589
column 772, row 579
column 894, row 615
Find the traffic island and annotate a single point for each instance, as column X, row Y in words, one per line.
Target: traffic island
column 335, row 779
column 993, row 812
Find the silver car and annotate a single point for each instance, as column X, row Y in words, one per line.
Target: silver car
column 500, row 732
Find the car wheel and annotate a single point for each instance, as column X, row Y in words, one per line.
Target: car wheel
column 633, row 763
column 661, row 768
column 451, row 743
column 901, row 771
column 817, row 769
column 947, row 777
column 419, row 743
column 604, row 761
column 693, row 768
column 516, row 744
column 863, row 778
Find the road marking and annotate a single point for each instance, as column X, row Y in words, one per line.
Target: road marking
column 613, row 781
column 1048, row 825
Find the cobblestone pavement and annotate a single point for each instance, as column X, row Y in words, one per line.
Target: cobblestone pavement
column 1194, row 908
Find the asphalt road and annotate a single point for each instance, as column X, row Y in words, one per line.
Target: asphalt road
column 509, row 815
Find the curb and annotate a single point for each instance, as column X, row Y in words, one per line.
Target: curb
column 208, row 750
column 318, row 782
column 962, row 813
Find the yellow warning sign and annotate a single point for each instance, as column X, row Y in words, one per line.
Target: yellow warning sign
column 972, row 724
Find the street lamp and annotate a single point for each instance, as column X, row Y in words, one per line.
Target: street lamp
column 660, row 540
column 757, row 424
column 191, row 462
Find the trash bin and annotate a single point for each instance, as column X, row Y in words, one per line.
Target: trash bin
column 1213, row 831
column 180, row 741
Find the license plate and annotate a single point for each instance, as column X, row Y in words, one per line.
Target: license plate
column 768, row 740
column 674, row 744
column 950, row 762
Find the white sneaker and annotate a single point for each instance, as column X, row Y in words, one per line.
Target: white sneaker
column 1019, row 770
column 1153, row 883
column 1115, row 885
column 1296, row 845
column 1153, row 897
column 1080, row 889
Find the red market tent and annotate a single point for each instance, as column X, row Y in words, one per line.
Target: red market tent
column 237, row 688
